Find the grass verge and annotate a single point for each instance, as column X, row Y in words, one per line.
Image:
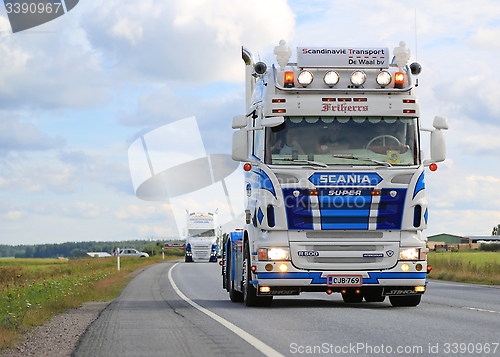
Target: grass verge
column 33, row 290
column 467, row 267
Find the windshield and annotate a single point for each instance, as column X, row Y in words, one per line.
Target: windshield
column 388, row 141
column 201, row 233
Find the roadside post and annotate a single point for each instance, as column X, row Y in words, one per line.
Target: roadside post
column 118, row 257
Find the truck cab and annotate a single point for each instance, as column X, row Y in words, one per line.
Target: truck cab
column 334, row 176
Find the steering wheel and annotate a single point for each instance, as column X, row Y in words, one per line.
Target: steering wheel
column 383, row 140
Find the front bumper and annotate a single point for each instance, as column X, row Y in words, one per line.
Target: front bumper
column 309, row 280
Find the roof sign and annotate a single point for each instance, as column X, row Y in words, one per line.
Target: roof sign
column 342, row 57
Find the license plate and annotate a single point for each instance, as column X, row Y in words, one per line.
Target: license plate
column 344, row 280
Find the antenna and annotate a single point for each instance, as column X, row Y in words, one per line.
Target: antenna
column 416, row 43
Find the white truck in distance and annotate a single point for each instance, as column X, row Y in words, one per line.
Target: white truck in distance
column 202, row 237
column 334, row 177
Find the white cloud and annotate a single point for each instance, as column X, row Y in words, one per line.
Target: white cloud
column 186, row 41
column 141, row 212
column 486, row 38
column 127, row 29
column 17, row 135
column 50, row 70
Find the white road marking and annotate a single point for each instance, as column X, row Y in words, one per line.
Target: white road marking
column 477, row 309
column 258, row 344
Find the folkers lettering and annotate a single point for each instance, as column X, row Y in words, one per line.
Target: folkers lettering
column 327, row 107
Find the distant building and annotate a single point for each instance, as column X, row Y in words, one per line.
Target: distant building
column 448, row 239
column 446, row 242
column 484, row 239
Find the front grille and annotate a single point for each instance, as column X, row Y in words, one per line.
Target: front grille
column 344, row 256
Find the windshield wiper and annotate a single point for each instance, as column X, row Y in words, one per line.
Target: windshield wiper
column 308, row 162
column 383, row 163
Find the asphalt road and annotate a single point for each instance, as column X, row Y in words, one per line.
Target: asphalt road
column 181, row 310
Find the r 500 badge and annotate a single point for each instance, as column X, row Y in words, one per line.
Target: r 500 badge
column 344, row 280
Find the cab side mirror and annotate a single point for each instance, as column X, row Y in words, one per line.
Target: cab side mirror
column 240, row 145
column 438, row 140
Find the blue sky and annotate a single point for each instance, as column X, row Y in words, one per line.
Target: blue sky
column 76, row 92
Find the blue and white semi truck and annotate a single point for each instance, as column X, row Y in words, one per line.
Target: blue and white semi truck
column 334, row 178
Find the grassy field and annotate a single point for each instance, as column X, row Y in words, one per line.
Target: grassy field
column 467, row 267
column 32, row 290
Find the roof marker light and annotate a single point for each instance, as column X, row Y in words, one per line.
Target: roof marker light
column 433, row 167
column 305, row 78
column 331, row 78
column 289, row 80
column 399, row 80
column 358, row 78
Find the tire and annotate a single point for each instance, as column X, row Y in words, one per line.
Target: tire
column 350, row 297
column 405, row 300
column 249, row 291
column 374, row 295
column 234, row 295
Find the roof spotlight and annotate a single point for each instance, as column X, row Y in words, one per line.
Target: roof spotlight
column 384, row 78
column 331, row 78
column 358, row 78
column 305, row 78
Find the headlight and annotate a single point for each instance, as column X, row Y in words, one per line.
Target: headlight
column 409, row 254
column 331, row 78
column 273, row 254
column 305, row 78
column 358, row 78
column 384, row 78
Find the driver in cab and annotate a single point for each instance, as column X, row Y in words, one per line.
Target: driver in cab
column 332, row 139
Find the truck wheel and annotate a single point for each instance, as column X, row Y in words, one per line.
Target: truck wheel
column 405, row 300
column 350, row 297
column 234, row 295
column 374, row 295
column 249, row 291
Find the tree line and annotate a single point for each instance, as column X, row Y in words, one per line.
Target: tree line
column 76, row 249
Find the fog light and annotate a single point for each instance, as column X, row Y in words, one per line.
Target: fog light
column 384, row 78
column 358, row 78
column 283, row 268
column 420, row 288
column 418, row 267
column 305, row 78
column 405, row 267
column 331, row 78
column 269, row 267
column 265, row 289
